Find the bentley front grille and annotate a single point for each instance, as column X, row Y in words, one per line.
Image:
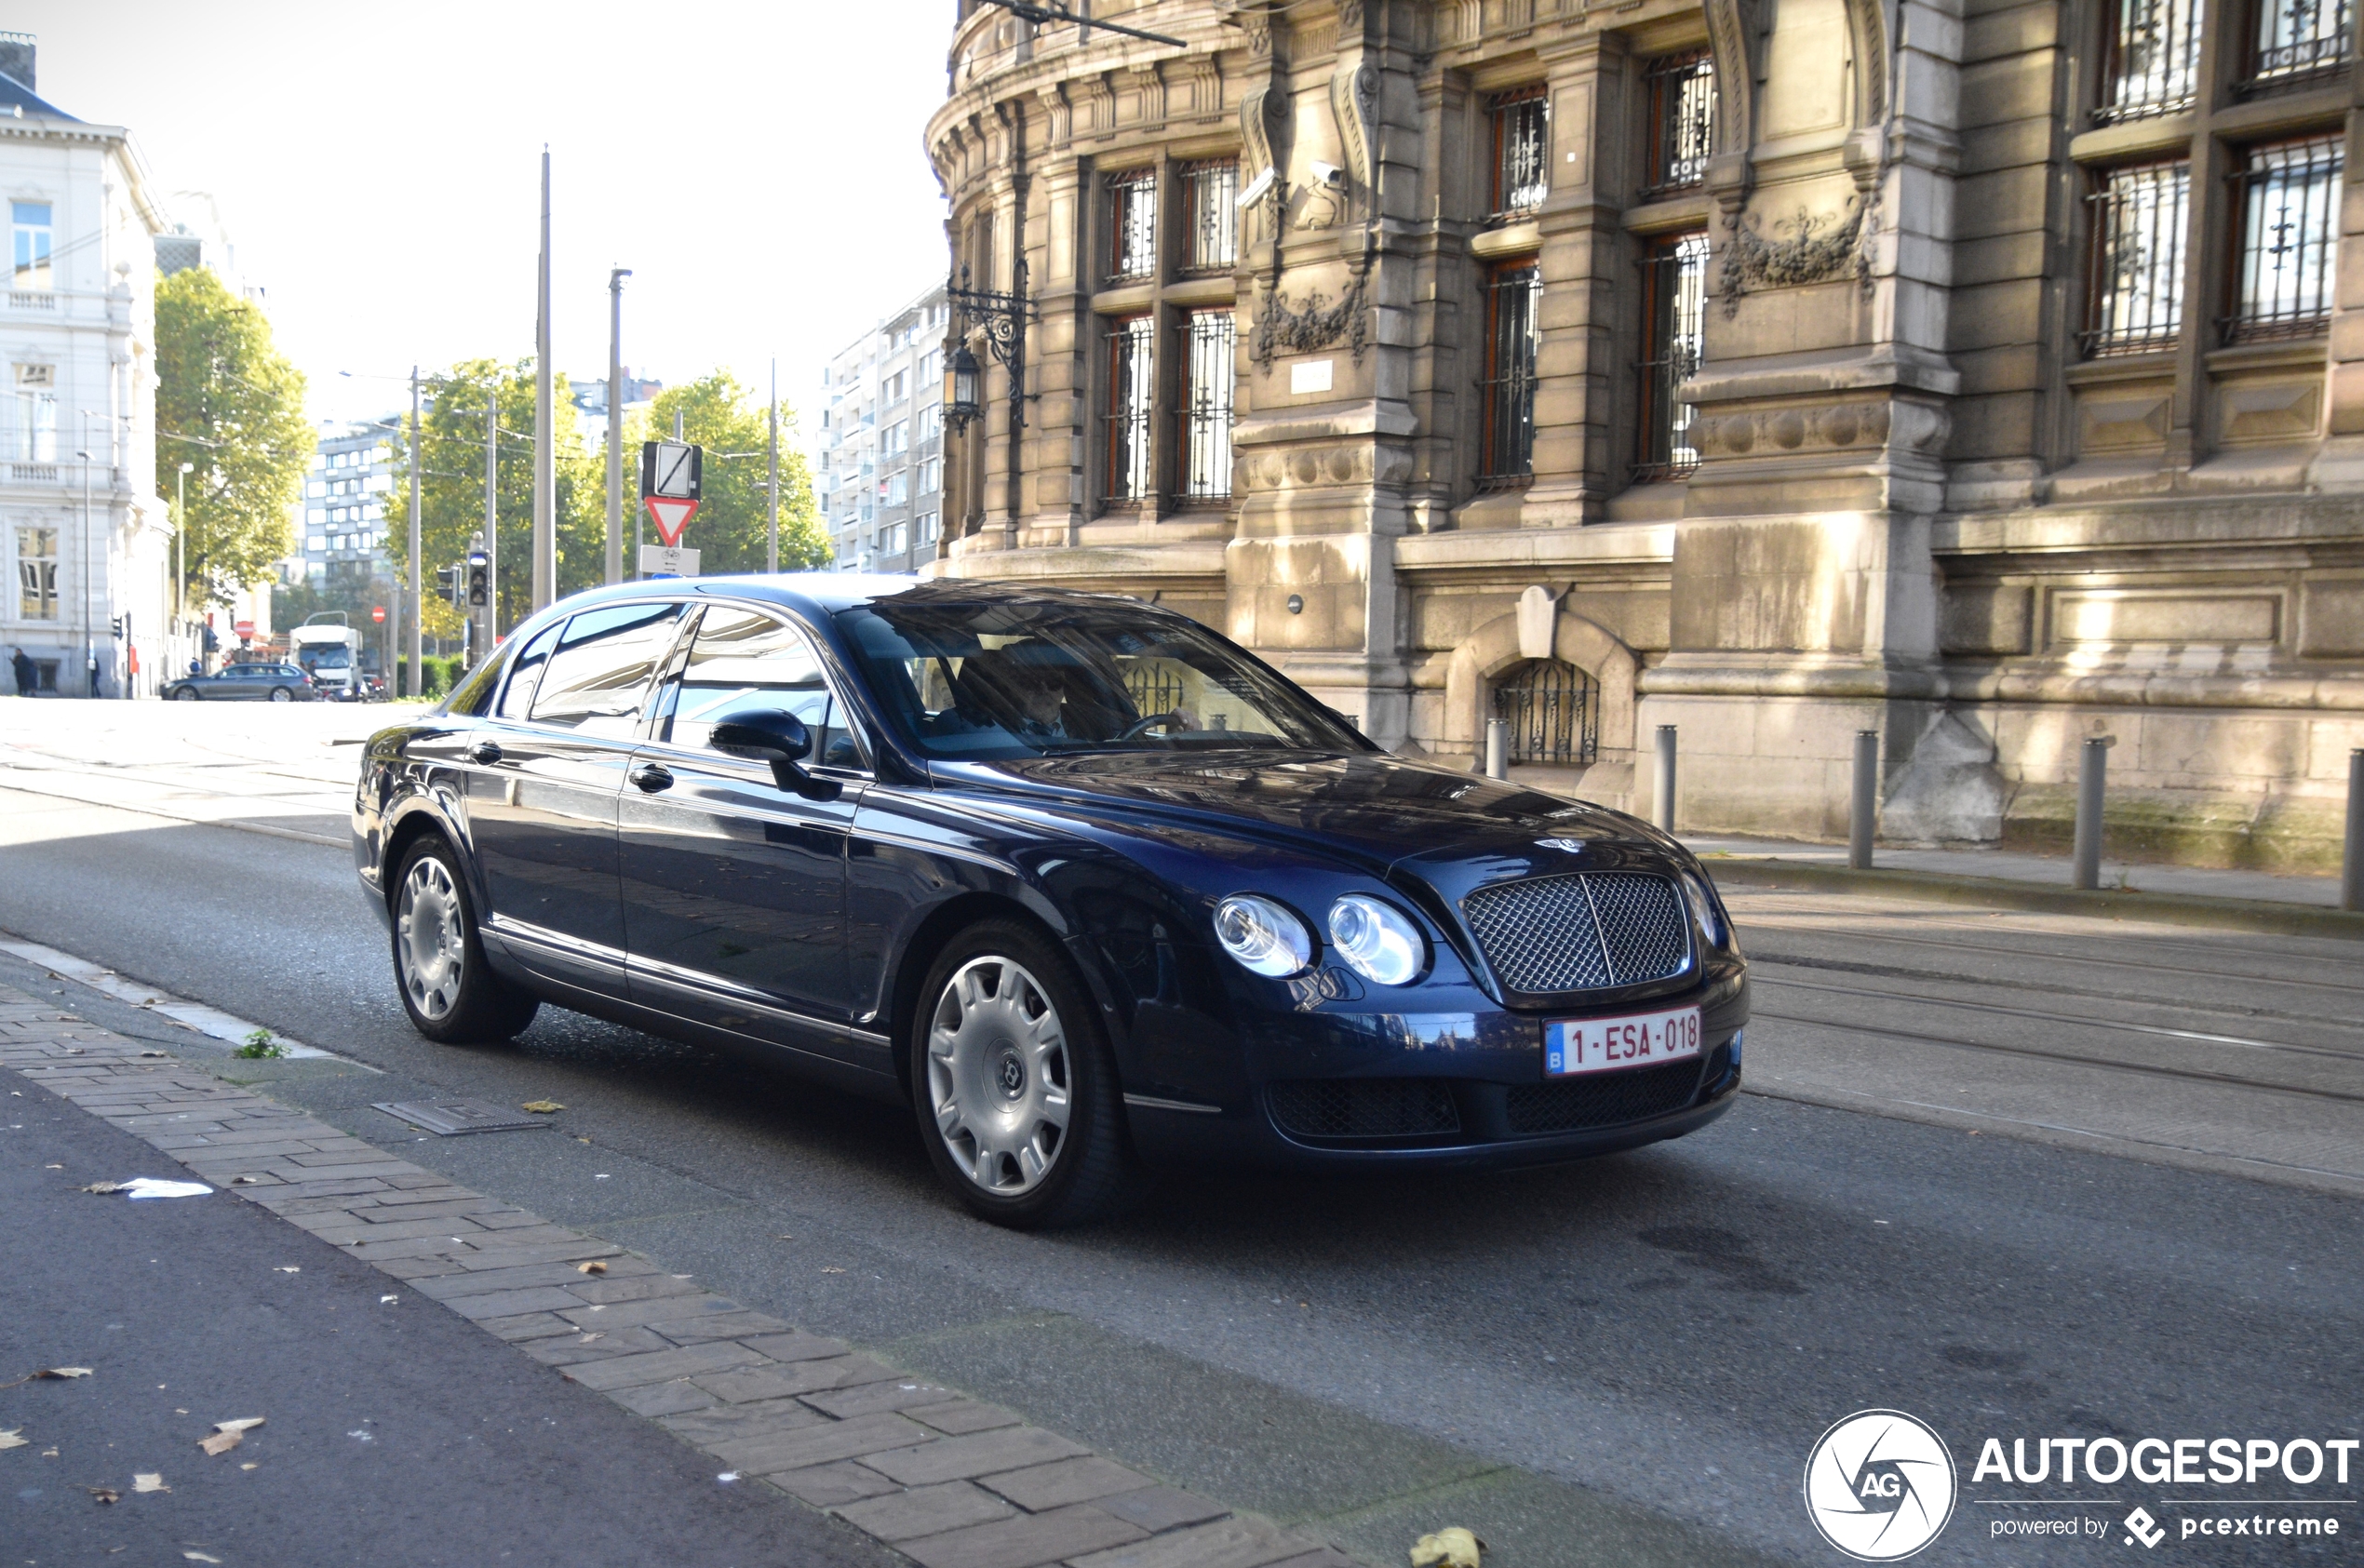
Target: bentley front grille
column 1580, row 931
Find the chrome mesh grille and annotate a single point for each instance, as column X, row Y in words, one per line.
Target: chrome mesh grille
column 1580, row 933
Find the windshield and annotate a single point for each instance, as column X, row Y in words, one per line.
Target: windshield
column 980, row 680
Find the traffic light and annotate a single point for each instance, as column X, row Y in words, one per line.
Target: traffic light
column 478, row 590
column 447, row 583
column 117, row 624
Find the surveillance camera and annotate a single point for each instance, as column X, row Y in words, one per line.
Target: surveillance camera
column 1328, row 174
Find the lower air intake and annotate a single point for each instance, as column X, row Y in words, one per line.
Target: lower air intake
column 1571, row 1104
column 1351, row 1108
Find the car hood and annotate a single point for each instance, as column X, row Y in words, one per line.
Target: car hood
column 1454, row 829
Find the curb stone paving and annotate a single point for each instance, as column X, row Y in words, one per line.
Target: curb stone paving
column 947, row 1480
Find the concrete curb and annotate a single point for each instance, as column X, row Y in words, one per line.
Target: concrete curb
column 945, row 1480
column 2175, row 909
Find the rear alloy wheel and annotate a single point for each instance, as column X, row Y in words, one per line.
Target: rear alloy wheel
column 448, row 990
column 186, row 694
column 281, row 694
column 1015, row 1094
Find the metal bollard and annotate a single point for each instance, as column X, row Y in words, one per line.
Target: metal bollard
column 1863, row 813
column 1662, row 807
column 1498, row 748
column 2352, row 860
column 2091, row 784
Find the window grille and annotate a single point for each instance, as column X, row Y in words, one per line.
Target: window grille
column 1507, row 442
column 2289, row 233
column 1208, row 338
column 1130, row 393
column 1681, row 97
column 2152, row 58
column 1522, row 150
column 1133, row 224
column 1210, row 195
column 1553, row 709
column 1153, row 687
column 2137, row 287
column 2296, row 37
column 1674, row 303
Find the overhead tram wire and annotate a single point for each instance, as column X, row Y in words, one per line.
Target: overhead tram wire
column 1044, row 16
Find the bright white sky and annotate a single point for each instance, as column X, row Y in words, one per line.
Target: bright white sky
column 758, row 166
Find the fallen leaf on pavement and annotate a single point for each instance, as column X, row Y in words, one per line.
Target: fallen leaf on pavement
column 63, row 1372
column 102, row 1188
column 53, row 1167
column 156, row 1053
column 249, row 1465
column 833, row 1271
column 245, row 1423
column 289, row 1268
column 388, row 1300
column 198, row 1556
column 244, row 1181
column 1454, row 1548
column 149, row 1480
column 9, row 1438
column 153, row 1186
column 103, row 1494
column 594, row 1266
column 541, row 1107
column 220, row 1444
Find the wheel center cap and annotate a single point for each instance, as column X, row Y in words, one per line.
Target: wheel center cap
column 1009, row 1072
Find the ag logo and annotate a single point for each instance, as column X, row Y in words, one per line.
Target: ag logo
column 1879, row 1485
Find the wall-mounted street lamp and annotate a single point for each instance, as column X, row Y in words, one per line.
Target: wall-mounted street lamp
column 1003, row 316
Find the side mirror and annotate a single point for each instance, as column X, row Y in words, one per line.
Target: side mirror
column 778, row 737
column 768, row 735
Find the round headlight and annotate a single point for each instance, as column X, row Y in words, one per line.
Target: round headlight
column 1704, row 909
column 1264, row 937
column 1377, row 942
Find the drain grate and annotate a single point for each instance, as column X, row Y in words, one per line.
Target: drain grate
column 449, row 1118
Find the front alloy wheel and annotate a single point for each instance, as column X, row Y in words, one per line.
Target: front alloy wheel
column 1015, row 1092
column 998, row 1074
column 281, row 694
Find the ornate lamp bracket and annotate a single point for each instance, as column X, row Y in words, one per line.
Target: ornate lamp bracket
column 1004, row 318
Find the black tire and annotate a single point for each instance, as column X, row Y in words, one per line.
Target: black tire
column 474, row 1006
column 1089, row 1171
column 187, row 694
column 282, row 694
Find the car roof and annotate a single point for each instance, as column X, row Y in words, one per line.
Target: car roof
column 825, row 593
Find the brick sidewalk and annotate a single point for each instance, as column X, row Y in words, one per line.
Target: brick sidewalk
column 947, row 1480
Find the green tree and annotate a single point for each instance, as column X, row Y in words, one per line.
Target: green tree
column 228, row 401
column 732, row 529
column 451, row 486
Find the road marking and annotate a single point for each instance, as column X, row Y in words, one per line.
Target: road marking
column 205, row 1020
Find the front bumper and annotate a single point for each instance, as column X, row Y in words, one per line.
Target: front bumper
column 1336, row 1088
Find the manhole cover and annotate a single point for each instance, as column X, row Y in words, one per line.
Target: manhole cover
column 449, row 1118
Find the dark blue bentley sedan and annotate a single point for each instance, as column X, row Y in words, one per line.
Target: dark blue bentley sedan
column 1091, row 888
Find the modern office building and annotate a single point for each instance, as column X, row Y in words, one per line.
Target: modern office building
column 1988, row 377
column 86, row 542
column 877, row 470
column 341, row 531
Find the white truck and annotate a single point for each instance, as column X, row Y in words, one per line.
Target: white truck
column 329, row 651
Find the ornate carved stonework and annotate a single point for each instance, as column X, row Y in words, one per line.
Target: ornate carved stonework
column 1317, row 324
column 1814, row 251
column 1353, row 100
column 1916, row 427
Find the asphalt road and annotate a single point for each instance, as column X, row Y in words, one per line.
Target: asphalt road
column 394, row 1431
column 1621, row 1362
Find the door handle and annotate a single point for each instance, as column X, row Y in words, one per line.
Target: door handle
column 484, row 751
column 652, row 777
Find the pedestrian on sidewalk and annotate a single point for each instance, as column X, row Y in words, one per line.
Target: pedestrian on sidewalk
column 28, row 677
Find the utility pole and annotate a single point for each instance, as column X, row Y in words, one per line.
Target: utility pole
column 772, row 550
column 491, row 513
column 418, row 461
column 90, row 572
column 615, row 421
column 180, row 541
column 546, row 542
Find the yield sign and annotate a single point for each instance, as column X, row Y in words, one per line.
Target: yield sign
column 672, row 515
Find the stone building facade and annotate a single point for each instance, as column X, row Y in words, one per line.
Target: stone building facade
column 1986, row 373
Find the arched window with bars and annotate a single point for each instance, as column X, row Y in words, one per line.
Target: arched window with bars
column 1553, row 711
